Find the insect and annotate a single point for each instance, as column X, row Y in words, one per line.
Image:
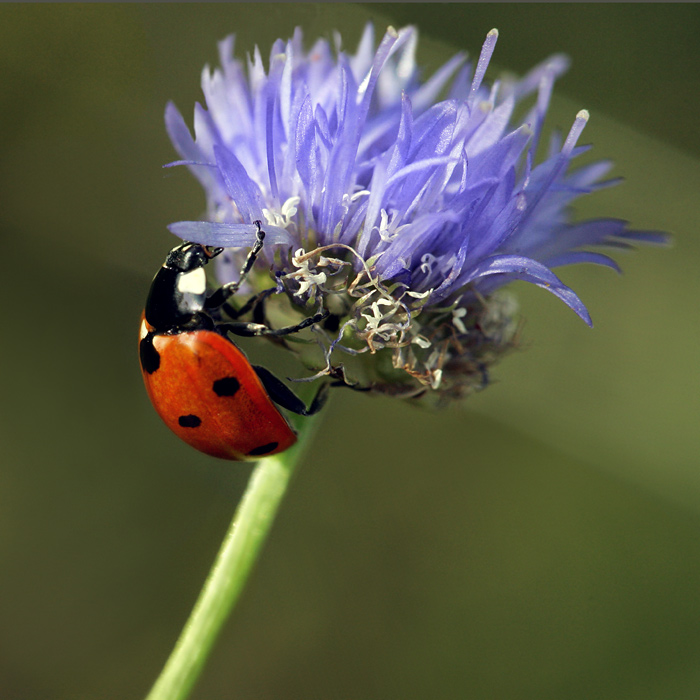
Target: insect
column 200, row 383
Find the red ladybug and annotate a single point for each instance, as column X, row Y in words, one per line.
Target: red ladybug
column 199, row 382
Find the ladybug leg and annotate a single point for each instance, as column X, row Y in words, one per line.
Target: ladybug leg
column 337, row 374
column 254, row 329
column 226, row 291
column 282, row 395
column 255, row 303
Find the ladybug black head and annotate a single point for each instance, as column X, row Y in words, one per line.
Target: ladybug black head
column 190, row 256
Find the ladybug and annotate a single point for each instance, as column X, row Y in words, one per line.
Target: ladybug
column 200, row 383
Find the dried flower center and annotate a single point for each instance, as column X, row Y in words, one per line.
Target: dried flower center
column 445, row 349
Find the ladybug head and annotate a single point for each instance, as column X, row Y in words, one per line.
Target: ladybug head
column 190, row 256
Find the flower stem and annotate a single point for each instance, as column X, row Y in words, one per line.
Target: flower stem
column 239, row 550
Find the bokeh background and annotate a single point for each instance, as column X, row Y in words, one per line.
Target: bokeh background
column 540, row 541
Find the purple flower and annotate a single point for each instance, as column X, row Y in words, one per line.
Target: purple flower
column 401, row 213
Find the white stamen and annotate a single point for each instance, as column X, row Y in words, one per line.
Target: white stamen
column 388, row 230
column 457, row 315
column 284, row 217
column 432, row 360
column 421, row 341
column 419, row 295
column 289, row 208
column 308, row 279
column 426, row 263
column 376, row 316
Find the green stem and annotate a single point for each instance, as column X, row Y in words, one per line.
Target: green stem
column 239, row 550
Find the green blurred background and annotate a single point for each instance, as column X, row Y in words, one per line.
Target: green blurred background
column 539, row 542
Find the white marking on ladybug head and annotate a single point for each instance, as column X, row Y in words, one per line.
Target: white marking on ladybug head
column 194, row 282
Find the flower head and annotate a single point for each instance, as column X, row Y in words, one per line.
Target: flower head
column 401, row 213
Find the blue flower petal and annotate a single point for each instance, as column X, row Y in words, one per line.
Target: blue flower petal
column 582, row 256
column 228, row 235
column 242, row 190
column 529, row 270
column 180, row 135
column 352, row 149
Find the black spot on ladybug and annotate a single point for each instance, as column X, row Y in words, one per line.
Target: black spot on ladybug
column 190, row 421
column 150, row 357
column 227, row 386
column 263, row 449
